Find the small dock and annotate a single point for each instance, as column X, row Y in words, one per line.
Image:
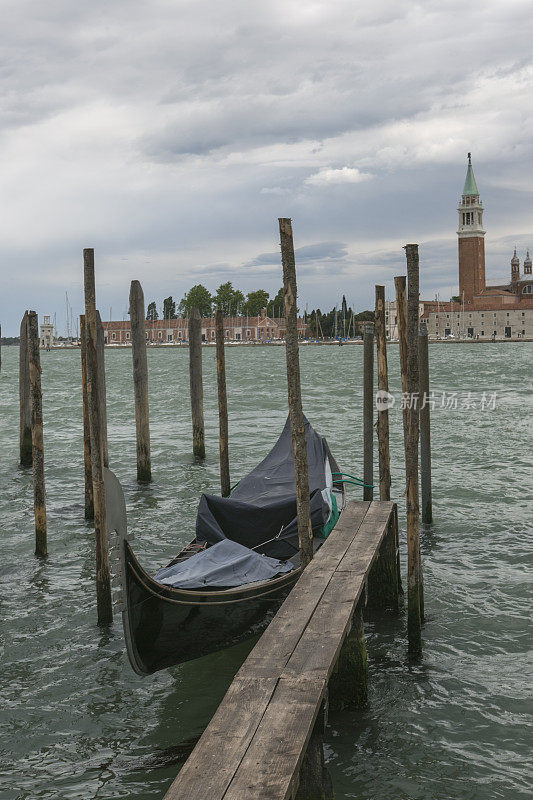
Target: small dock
column 266, row 737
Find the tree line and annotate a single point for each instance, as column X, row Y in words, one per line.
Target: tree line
column 232, row 302
column 341, row 322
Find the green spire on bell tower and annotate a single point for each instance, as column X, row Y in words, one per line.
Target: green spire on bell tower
column 470, row 187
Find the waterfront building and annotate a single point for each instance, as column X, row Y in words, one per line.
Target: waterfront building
column 47, row 333
column 504, row 311
column 236, row 329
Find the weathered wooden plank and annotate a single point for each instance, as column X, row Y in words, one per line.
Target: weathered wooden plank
column 369, row 538
column 255, row 743
column 271, row 765
column 212, row 764
column 320, row 643
column 274, row 648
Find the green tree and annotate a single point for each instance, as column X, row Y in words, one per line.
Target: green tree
column 227, row 298
column 169, row 308
column 255, row 301
column 151, row 312
column 276, row 306
column 197, row 297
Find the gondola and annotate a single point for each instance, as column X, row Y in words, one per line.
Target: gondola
column 226, row 584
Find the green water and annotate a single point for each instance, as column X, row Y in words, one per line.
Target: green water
column 76, row 722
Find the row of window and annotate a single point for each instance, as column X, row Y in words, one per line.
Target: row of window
column 170, row 336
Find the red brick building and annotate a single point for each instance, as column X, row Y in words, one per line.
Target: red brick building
column 236, row 329
column 503, row 311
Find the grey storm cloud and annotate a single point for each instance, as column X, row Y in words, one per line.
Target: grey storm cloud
column 172, row 135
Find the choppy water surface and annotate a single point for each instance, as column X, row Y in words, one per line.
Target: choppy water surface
column 76, row 722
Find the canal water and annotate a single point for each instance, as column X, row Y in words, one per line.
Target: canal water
column 77, row 723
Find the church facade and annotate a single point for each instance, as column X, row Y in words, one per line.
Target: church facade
column 504, row 311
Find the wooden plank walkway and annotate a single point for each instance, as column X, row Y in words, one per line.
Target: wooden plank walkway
column 256, row 741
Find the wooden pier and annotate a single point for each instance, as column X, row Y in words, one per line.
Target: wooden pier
column 265, row 739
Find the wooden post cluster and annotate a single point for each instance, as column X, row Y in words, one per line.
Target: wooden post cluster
column 25, row 443
column 299, row 442
column 197, row 392
column 414, row 590
column 383, row 389
column 140, row 381
column 94, row 397
column 368, row 411
column 425, row 436
column 225, row 484
column 89, row 500
column 39, row 493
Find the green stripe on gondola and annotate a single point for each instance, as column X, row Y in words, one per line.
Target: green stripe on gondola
column 325, row 531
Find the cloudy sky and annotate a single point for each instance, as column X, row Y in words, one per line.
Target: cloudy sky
column 170, row 135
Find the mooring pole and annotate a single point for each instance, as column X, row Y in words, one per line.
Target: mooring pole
column 414, row 614
column 140, row 381
column 425, row 437
column 102, row 397
column 197, row 391
column 89, row 502
column 39, row 493
column 383, row 387
column 24, row 396
column 103, row 582
column 368, row 411
column 222, row 404
column 299, row 442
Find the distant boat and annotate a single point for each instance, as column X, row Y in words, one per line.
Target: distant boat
column 228, row 582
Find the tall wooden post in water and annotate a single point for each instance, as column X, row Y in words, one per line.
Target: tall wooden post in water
column 140, row 381
column 103, row 581
column 197, row 391
column 39, row 493
column 89, row 502
column 102, row 397
column 383, row 388
column 299, row 442
column 222, row 405
column 24, row 396
column 414, row 571
column 368, row 411
column 425, row 437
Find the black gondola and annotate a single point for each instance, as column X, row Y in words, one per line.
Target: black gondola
column 226, row 584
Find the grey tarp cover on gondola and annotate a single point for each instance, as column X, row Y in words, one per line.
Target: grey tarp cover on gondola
column 262, row 508
column 263, row 505
column 224, row 564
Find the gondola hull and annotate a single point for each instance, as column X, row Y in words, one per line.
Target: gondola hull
column 167, row 626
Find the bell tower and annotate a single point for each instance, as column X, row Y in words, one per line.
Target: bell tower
column 471, row 239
